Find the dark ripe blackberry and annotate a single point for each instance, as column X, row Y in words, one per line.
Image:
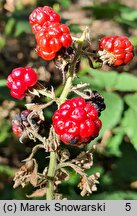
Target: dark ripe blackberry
column 97, row 100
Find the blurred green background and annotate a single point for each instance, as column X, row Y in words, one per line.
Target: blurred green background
column 116, row 154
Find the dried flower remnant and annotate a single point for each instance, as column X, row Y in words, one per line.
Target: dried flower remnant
column 84, row 160
column 88, row 184
column 23, row 176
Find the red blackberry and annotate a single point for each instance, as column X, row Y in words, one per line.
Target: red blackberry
column 76, row 122
column 42, row 15
column 20, row 80
column 115, row 50
column 51, row 38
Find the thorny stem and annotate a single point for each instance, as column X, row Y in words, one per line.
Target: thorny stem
column 67, row 88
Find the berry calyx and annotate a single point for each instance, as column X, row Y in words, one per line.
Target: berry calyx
column 76, row 122
column 20, row 80
column 115, row 50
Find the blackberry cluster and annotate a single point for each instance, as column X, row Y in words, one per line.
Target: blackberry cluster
column 76, row 122
column 20, row 122
column 115, row 50
column 20, row 80
column 50, row 34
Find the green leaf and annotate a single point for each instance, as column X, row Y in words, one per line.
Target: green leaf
column 4, row 128
column 125, row 172
column 74, row 28
column 109, row 80
column 21, row 27
column 113, row 145
column 106, row 10
column 132, row 23
column 2, row 82
column 9, row 26
column 133, row 40
column 74, row 178
column 131, row 100
column 126, row 82
column 129, row 124
column 103, row 79
column 112, row 114
column 4, row 93
column 129, row 14
column 2, row 42
column 65, row 3
column 4, row 169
